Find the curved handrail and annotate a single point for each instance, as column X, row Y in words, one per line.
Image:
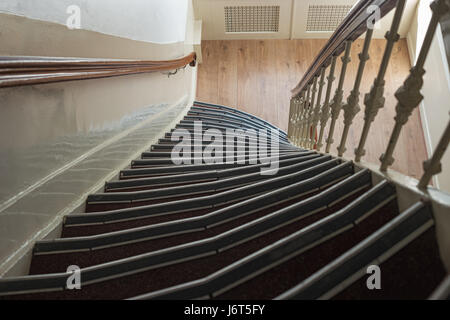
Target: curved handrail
column 353, row 26
column 20, row 71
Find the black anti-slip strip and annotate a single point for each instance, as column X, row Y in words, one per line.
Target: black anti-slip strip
column 125, row 266
column 363, row 254
column 236, row 160
column 201, row 187
column 170, row 228
column 269, row 256
column 198, row 176
column 200, row 167
column 199, row 104
column 208, row 201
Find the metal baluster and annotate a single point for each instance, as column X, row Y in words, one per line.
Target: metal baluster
column 293, row 113
column 325, row 115
column 375, row 100
column 316, row 112
column 291, row 118
column 296, row 115
column 309, row 115
column 301, row 106
column 408, row 95
column 336, row 105
column 434, row 166
column 304, row 120
column 351, row 108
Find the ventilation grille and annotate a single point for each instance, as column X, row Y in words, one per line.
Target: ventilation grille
column 252, row 19
column 326, row 17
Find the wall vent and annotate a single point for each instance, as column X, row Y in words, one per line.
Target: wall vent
column 326, row 18
column 252, row 19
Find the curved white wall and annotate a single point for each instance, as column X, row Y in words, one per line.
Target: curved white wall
column 159, row 21
column 436, row 88
column 61, row 141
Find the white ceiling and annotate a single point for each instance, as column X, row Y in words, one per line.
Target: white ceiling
column 293, row 18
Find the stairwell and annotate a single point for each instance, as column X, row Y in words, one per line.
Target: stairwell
column 225, row 231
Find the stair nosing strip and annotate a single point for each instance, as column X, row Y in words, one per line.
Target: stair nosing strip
column 355, row 250
column 213, row 184
column 142, row 256
column 384, row 257
column 194, row 219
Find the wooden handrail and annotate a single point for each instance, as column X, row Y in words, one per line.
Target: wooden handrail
column 353, row 26
column 20, row 71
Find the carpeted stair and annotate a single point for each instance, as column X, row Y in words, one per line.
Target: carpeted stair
column 225, row 231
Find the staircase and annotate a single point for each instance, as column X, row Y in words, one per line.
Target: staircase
column 225, row 231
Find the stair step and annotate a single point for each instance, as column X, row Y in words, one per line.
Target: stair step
column 118, row 200
column 190, row 229
column 404, row 274
column 172, row 210
column 220, row 154
column 237, row 161
column 192, row 251
column 171, row 170
column 203, row 176
column 275, row 267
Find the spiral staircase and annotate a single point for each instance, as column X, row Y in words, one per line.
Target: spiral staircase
column 223, row 230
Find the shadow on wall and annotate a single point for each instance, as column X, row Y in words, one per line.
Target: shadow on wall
column 161, row 21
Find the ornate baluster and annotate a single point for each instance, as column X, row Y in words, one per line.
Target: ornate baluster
column 304, row 120
column 375, row 100
column 325, row 115
column 351, row 108
column 336, row 105
column 291, row 118
column 297, row 103
column 434, row 166
column 301, row 107
column 293, row 115
column 309, row 116
column 316, row 112
column 408, row 95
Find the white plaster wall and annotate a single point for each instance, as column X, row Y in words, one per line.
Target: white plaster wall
column 435, row 108
column 211, row 12
column 293, row 19
column 60, row 142
column 159, row 21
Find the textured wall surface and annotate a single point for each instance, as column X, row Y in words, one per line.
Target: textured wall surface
column 293, row 19
column 160, row 21
column 60, row 142
column 54, row 155
column 435, row 108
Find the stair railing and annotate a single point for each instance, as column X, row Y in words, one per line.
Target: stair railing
column 358, row 22
column 23, row 71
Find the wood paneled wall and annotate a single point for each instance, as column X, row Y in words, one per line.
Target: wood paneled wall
column 257, row 76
